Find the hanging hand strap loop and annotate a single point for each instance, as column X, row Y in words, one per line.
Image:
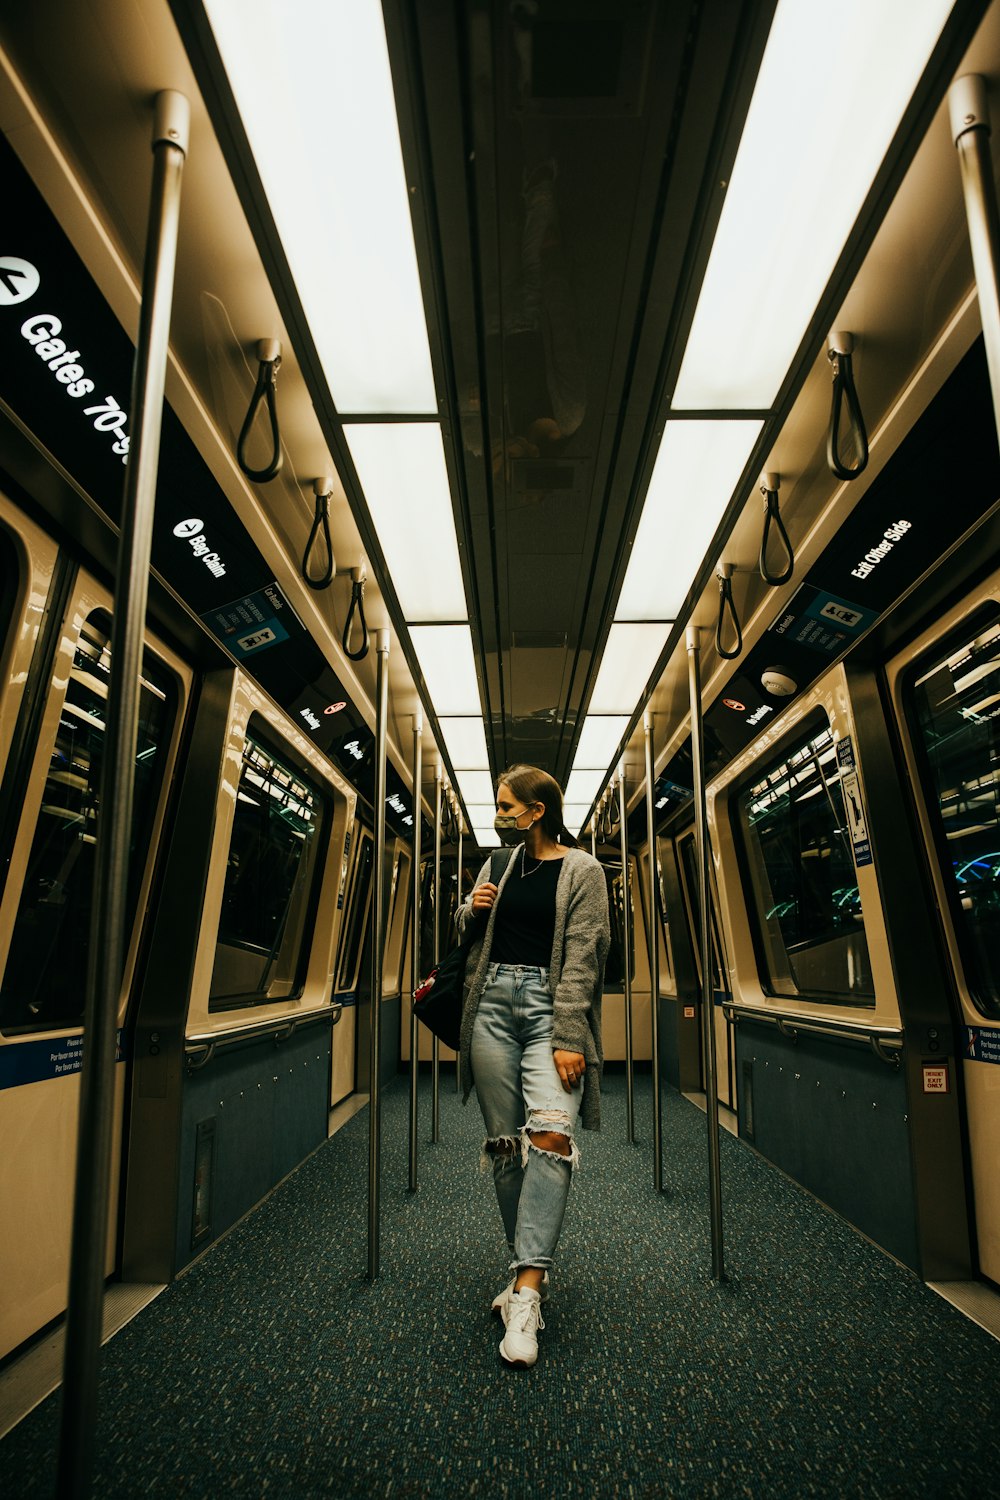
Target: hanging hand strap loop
column 769, row 486
column 269, row 360
column 322, row 489
column 726, row 571
column 839, row 355
column 357, row 606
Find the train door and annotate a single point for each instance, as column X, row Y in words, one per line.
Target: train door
column 945, row 690
column 357, row 904
column 627, row 935
column 55, row 687
column 724, row 1063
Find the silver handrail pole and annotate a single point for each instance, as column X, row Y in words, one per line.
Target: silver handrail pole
column 415, row 976
column 458, row 902
column 654, row 958
column 969, row 112
column 593, row 835
column 378, row 939
column 626, row 959
column 436, row 1045
column 109, row 926
column 707, row 993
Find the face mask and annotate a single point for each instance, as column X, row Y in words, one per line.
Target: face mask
column 506, row 826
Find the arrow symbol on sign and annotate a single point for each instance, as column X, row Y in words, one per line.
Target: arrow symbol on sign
column 7, row 274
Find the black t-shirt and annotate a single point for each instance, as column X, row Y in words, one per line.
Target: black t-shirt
column 525, row 923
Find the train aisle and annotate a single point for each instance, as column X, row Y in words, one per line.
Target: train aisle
column 273, row 1368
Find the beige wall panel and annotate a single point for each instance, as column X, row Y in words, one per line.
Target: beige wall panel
column 38, row 1126
column 342, row 1071
column 982, row 1099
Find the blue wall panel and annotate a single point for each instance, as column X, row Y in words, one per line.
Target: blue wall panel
column 833, row 1117
column 270, row 1104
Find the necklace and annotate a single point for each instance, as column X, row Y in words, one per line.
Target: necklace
column 525, row 872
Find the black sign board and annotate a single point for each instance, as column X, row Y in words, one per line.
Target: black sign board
column 944, row 477
column 66, row 371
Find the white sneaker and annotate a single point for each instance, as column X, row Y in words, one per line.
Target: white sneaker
column 499, row 1303
column 524, row 1318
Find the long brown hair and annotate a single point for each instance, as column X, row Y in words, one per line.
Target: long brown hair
column 529, row 784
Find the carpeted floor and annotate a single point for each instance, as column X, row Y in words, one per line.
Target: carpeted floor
column 273, row 1368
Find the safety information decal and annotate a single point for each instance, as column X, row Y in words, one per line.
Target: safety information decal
column 851, row 788
column 251, row 624
column 51, row 1057
column 983, row 1044
column 822, row 621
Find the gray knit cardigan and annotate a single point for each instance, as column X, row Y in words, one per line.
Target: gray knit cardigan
column 576, row 971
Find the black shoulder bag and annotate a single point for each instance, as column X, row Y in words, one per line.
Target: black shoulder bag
column 437, row 1000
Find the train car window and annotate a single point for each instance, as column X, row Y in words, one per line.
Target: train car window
column 357, row 913
column 398, row 923
column 275, row 859
column 689, row 866
column 955, row 704
column 666, row 972
column 809, row 929
column 622, row 930
column 42, row 983
column 9, row 579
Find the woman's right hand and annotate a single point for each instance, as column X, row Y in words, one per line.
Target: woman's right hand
column 483, row 897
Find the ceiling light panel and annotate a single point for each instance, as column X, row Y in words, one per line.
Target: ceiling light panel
column 449, row 669
column 486, row 837
column 696, row 471
column 834, row 82
column 403, row 474
column 599, row 739
column 313, row 87
column 465, row 741
column 476, row 787
column 584, row 785
column 626, row 666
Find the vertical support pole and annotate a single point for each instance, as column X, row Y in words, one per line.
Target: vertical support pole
column 436, row 1046
column 593, row 835
column 415, row 976
column 458, row 902
column 627, row 932
column 707, row 988
column 378, row 945
column 969, row 112
column 109, row 926
column 652, row 907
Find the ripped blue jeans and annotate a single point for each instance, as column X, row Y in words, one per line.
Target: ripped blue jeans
column 520, row 1093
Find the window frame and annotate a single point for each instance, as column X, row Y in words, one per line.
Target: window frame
column 979, row 618
column 348, row 984
column 805, row 728
column 263, row 734
column 86, row 598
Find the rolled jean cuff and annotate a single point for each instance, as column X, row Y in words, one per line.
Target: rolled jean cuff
column 535, row 1263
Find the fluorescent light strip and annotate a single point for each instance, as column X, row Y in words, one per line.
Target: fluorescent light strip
column 402, row 471
column 313, row 86
column 626, row 666
column 834, row 82
column 486, row 838
column 584, row 785
column 696, row 471
column 599, row 739
column 476, row 787
column 448, row 666
column 465, row 741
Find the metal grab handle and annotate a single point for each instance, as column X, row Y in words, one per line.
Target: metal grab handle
column 726, row 571
column 839, row 355
column 268, row 363
column 769, row 486
column 357, row 606
column 322, row 489
column 194, row 1063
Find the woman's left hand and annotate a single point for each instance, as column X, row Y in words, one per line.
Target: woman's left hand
column 570, row 1066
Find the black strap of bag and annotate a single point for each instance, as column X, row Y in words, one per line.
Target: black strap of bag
column 437, row 1000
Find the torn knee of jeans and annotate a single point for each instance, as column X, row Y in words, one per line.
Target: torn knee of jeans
column 499, row 1151
column 549, row 1122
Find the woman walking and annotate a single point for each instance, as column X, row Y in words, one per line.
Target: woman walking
column 531, row 1031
